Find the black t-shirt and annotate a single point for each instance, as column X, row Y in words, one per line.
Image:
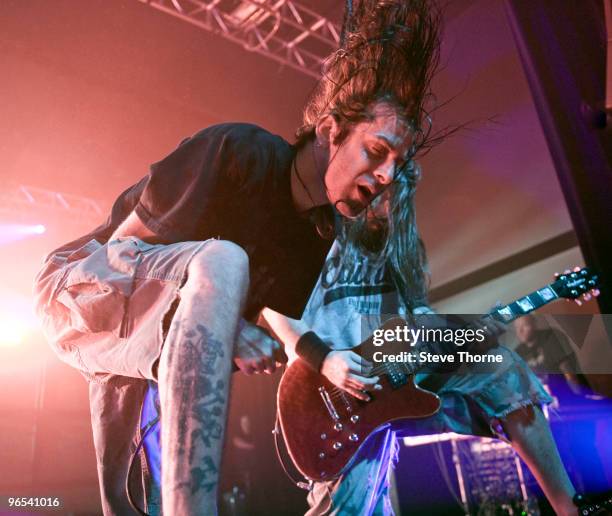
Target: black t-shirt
column 550, row 349
column 231, row 181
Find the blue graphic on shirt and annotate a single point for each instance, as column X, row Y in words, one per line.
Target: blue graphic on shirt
column 361, row 280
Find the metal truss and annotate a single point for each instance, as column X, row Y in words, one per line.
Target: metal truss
column 26, row 201
column 282, row 30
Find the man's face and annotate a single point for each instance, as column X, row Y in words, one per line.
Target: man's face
column 367, row 160
column 525, row 329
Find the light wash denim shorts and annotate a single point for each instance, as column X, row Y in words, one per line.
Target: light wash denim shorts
column 103, row 307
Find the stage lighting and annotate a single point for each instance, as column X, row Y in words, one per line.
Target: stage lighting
column 12, row 331
column 17, row 318
column 14, row 232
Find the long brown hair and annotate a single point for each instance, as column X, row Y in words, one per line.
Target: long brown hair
column 389, row 53
column 388, row 237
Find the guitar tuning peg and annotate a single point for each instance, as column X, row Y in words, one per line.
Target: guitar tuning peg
column 556, row 275
column 595, row 292
column 587, row 297
column 576, row 269
column 578, row 302
column 566, row 271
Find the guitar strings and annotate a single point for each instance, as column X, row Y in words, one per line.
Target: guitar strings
column 337, row 393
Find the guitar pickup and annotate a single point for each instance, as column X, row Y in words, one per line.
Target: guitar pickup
column 329, row 404
column 397, row 378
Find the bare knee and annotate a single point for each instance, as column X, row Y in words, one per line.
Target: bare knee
column 523, row 416
column 525, row 421
column 219, row 264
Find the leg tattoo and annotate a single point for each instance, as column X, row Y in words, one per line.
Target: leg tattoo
column 194, row 378
column 198, row 398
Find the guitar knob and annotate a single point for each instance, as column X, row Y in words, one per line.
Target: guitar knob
column 323, row 436
column 338, row 427
column 337, row 445
column 321, row 455
column 354, row 418
column 354, row 437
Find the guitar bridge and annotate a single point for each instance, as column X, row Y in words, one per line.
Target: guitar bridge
column 329, row 405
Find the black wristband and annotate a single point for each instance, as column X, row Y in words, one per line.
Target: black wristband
column 312, row 350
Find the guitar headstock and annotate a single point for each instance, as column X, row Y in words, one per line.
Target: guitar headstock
column 577, row 284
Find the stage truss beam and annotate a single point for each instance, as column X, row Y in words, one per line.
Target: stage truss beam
column 282, row 30
column 26, row 201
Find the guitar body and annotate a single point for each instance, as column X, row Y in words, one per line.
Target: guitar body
column 322, row 443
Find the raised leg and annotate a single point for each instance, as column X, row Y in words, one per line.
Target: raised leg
column 194, row 378
column 532, row 439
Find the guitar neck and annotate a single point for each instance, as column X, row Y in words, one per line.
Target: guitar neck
column 504, row 314
column 508, row 313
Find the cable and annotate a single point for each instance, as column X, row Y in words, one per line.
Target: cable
column 439, row 457
column 150, row 425
column 276, row 432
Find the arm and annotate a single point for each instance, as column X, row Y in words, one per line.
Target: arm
column 568, row 368
column 285, row 330
column 344, row 368
column 568, row 365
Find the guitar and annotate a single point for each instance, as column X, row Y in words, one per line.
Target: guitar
column 324, row 427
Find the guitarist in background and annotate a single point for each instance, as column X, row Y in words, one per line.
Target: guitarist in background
column 548, row 350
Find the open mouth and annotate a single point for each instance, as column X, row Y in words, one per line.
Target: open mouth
column 364, row 194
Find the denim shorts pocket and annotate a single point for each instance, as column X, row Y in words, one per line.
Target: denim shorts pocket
column 91, row 291
column 93, row 306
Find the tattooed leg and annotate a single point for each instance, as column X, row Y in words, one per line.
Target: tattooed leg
column 194, row 378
